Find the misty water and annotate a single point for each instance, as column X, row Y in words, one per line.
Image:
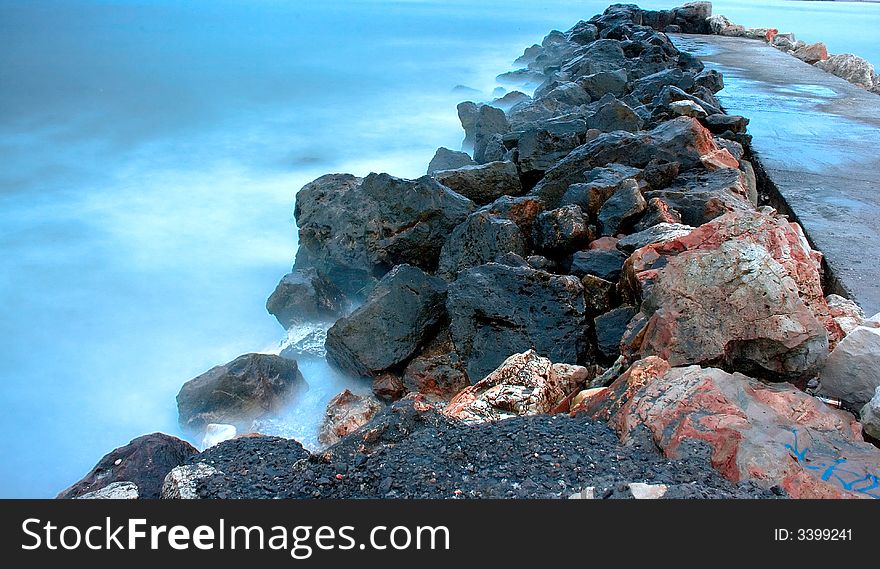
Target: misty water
column 151, row 151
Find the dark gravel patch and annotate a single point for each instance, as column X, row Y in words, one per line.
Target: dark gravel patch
column 406, row 454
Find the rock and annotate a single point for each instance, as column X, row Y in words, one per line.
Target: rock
column 567, row 94
column 720, row 123
column 597, row 85
column 600, row 55
column 605, row 264
column 467, row 115
column 785, row 42
column 400, row 315
column 181, row 482
column 671, row 94
column 658, row 174
column 345, row 414
column 480, row 239
column 250, row 387
column 710, row 79
column 583, row 33
column 561, row 230
column 490, row 121
column 657, row 212
column 355, row 230
column 483, row 183
column 497, row 310
column 614, row 115
column 304, row 295
column 642, row 491
column 720, row 25
column 751, row 181
column 622, row 209
column 437, row 372
column 870, row 416
column 660, row 233
column 510, row 100
column 388, row 386
column 115, row 491
column 524, row 384
column 521, row 210
column 586, row 394
column 846, row 313
column 700, row 196
column 143, row 462
column 445, row 159
column 644, row 90
column 764, row 34
column 774, row 435
column 610, row 328
column 495, row 150
column 539, row 147
column 216, row 433
column 521, row 77
column 305, row 341
column 852, row 372
column 606, row 243
column 687, row 108
column 600, row 185
column 852, row 68
column 681, row 140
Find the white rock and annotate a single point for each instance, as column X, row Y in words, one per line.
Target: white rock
column 114, row 491
column 870, row 415
column 852, row 371
column 687, row 108
column 216, row 433
column 642, row 491
column 587, row 493
column 180, row 484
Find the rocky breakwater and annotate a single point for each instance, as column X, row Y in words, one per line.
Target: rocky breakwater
column 591, row 302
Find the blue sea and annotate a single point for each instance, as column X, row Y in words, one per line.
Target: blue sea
column 151, row 151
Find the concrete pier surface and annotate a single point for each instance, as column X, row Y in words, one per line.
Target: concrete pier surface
column 817, row 138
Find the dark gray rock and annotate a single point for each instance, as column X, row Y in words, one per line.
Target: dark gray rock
column 671, row 93
column 701, row 196
column 467, row 115
column 600, row 295
column 540, row 147
column 562, row 230
column 622, row 209
column 567, row 94
column 600, row 185
column 645, row 89
column 583, row 33
column 659, row 233
column 521, row 210
column 597, row 85
column 490, row 121
column 403, row 312
column 249, row 387
column 445, row 159
column 304, row 295
column 719, row 123
column 610, row 328
column 145, row 461
column 600, row 55
column 510, row 100
column 482, row 238
column 657, row 211
column 602, row 263
column 710, row 79
column 497, row 310
column 483, row 183
column 613, row 115
column 354, row 230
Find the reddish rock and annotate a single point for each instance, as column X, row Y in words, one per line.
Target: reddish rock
column 606, row 243
column 525, row 384
column 812, row 53
column 388, row 386
column 774, row 434
column 345, row 414
column 437, row 372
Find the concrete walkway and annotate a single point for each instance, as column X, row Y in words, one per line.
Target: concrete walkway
column 818, row 140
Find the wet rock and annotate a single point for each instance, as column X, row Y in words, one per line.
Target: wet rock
column 600, row 263
column 437, row 372
column 305, row 295
column 480, row 239
column 181, row 483
column 521, row 77
column 249, row 387
column 647, row 88
column 681, row 140
column 354, row 230
column 852, row 372
column 600, row 185
column 870, row 415
column 143, row 462
column 672, row 94
column 614, row 115
column 483, row 183
column 812, row 53
column 597, row 85
column 306, row 341
column 490, row 121
column 720, row 123
column 660, row 233
column 345, row 414
column 562, row 230
column 622, row 209
column 852, row 68
column 610, row 328
column 774, row 435
column 400, row 315
column 710, row 79
column 496, row 310
column 446, row 159
column 115, row 491
column 601, row 55
column 524, row 384
column 700, row 196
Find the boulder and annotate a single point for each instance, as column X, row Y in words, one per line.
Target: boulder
column 700, row 196
column 437, row 372
column 446, row 159
column 610, row 328
column 482, row 238
column 613, row 115
column 852, row 68
column 710, row 79
column 355, row 230
column 602, row 263
column 304, row 295
column 497, row 310
column 847, row 314
column 687, row 108
column 597, row 85
column 524, row 384
column 596, row 57
column 657, row 212
column 490, row 121
column 852, row 372
column 870, row 415
column 763, row 34
column 620, row 212
column 645, row 89
column 562, row 230
column 403, row 312
column 660, row 233
column 719, row 123
column 722, row 26
column 114, row 491
column 681, row 140
column 600, row 295
column 467, row 115
column 483, row 183
column 345, row 414
column 182, row 481
column 249, row 387
column 521, row 210
column 144, row 462
column 600, row 185
column 540, row 146
column 774, row 435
